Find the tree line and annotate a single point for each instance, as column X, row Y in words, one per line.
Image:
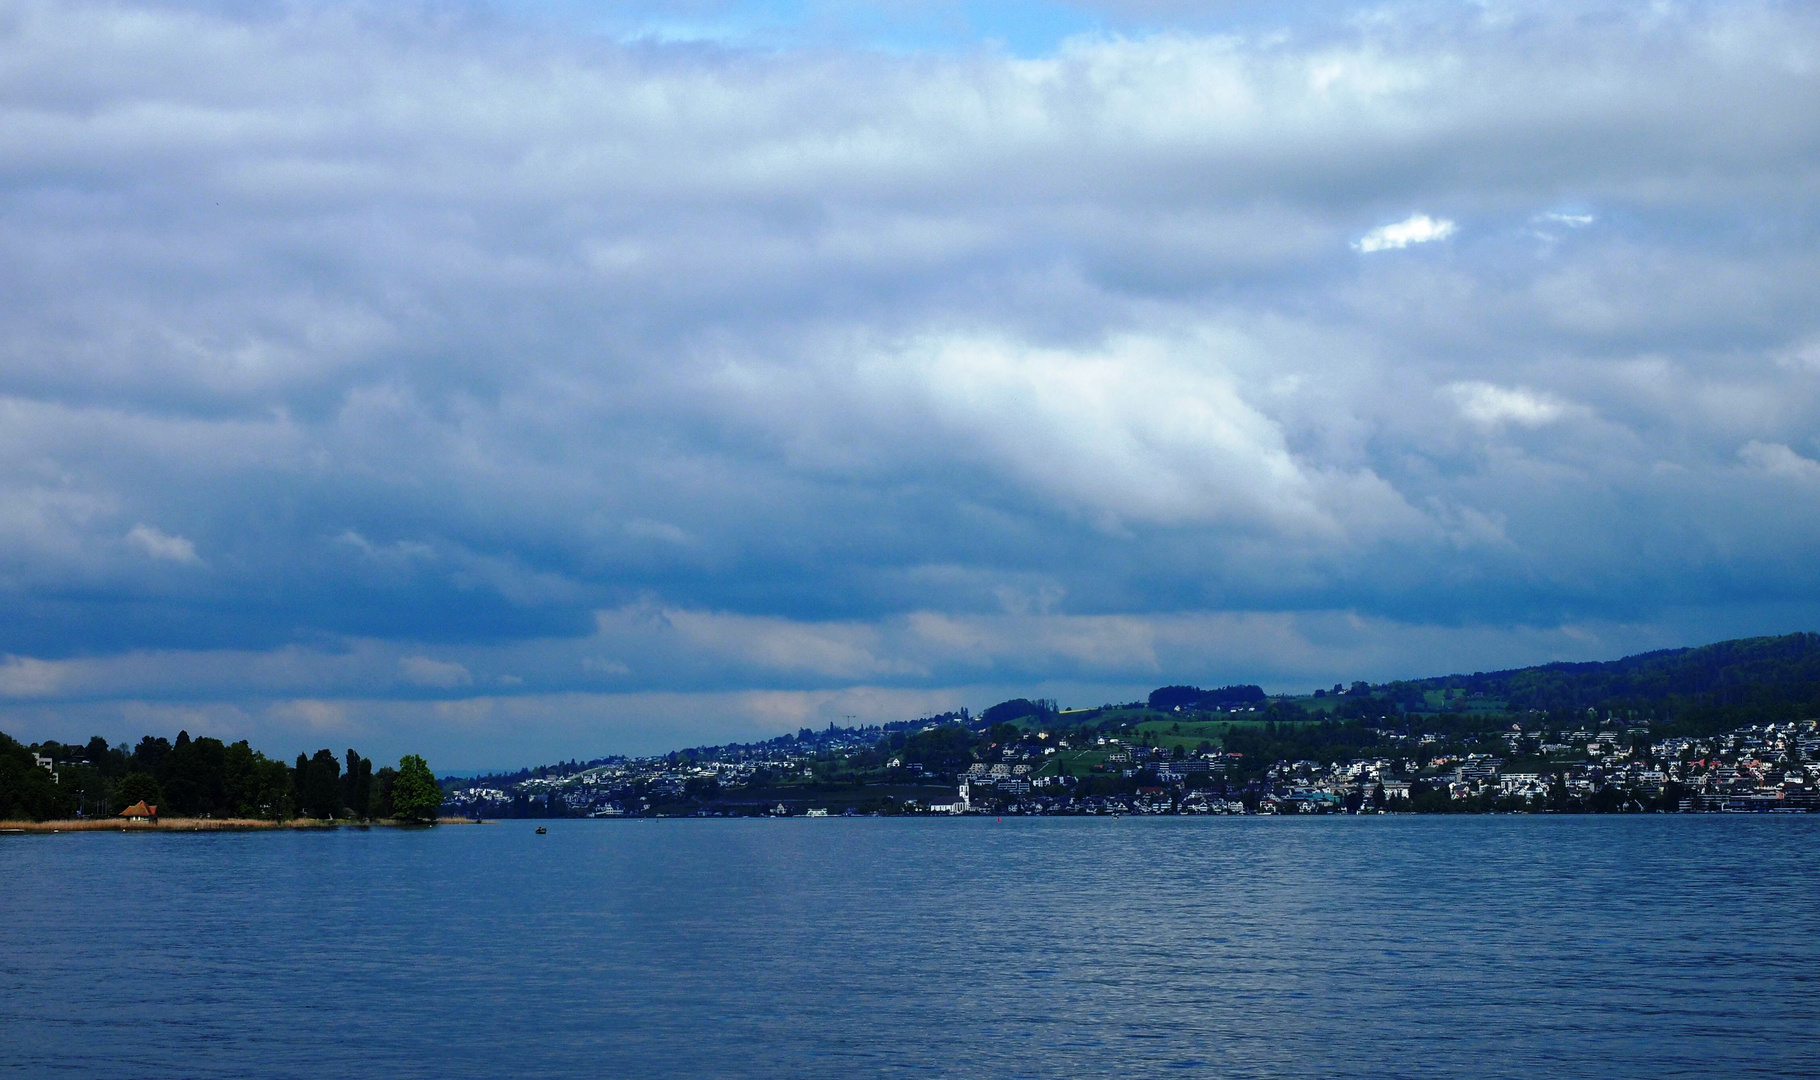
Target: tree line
column 204, row 777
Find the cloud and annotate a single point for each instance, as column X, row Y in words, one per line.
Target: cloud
column 1415, row 229
column 160, row 545
column 791, row 366
column 1140, row 430
column 1572, row 221
column 423, row 671
column 1484, row 403
column 311, row 716
column 25, row 676
column 1778, row 460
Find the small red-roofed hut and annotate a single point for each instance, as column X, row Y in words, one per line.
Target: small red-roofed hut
column 140, row 812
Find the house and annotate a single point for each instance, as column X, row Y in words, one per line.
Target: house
column 140, row 812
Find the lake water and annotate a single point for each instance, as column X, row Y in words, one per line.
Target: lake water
column 1230, row 947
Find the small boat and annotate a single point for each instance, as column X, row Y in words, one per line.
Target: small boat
column 541, row 830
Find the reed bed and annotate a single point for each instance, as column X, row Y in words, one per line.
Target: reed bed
column 176, row 824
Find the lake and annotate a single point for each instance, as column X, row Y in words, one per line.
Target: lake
column 1648, row 946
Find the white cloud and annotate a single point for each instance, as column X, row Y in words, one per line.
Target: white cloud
column 841, row 650
column 440, row 674
column 311, row 715
column 1415, row 229
column 1802, row 356
column 28, row 676
column 161, row 545
column 1778, row 460
column 1485, row 403
column 1142, row 430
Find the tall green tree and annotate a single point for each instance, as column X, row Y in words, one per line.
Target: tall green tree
column 192, row 775
column 184, row 793
column 110, row 762
column 357, row 785
column 148, row 755
column 415, row 796
column 383, row 780
column 319, row 784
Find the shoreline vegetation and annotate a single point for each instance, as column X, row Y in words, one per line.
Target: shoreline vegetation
column 190, row 824
column 206, row 784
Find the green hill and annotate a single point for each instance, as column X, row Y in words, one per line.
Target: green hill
column 1749, row 680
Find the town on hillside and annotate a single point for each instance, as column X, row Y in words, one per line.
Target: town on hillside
column 1724, row 728
column 1144, row 767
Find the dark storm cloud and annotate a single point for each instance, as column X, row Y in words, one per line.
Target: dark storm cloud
column 362, row 364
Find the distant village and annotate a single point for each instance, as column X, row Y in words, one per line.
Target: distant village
column 1256, row 755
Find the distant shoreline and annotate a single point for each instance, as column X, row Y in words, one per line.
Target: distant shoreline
column 211, row 825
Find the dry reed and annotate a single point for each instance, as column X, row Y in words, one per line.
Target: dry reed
column 196, row 824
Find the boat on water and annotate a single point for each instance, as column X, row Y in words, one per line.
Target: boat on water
column 541, row 830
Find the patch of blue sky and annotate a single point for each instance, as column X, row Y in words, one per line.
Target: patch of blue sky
column 1020, row 27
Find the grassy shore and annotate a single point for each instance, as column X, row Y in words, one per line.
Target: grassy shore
column 205, row 824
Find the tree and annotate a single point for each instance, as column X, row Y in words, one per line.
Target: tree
column 381, row 805
column 183, row 793
column 1167, row 698
column 191, row 775
column 415, row 796
column 255, row 785
column 319, row 784
column 110, row 762
column 138, row 787
column 1016, row 709
column 357, row 785
column 27, row 791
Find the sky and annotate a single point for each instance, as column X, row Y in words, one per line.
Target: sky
column 511, row 382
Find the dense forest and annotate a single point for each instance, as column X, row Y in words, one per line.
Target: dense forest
column 204, row 777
